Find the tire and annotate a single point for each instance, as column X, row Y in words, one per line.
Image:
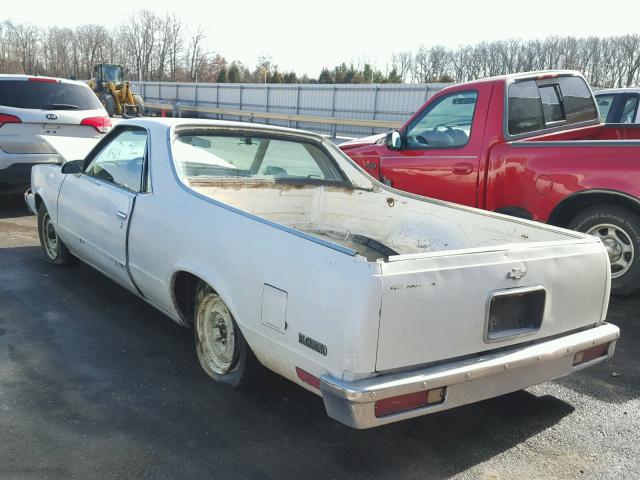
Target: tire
column 109, row 103
column 53, row 248
column 231, row 363
column 619, row 230
column 139, row 104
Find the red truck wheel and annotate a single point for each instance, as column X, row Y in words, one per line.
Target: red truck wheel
column 619, row 230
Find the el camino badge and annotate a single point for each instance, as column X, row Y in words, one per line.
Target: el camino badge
column 516, row 273
column 321, row 348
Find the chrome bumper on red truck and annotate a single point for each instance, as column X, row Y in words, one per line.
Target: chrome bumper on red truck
column 393, row 397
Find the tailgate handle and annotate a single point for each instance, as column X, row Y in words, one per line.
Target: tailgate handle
column 463, row 168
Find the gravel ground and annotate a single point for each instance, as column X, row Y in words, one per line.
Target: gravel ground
column 94, row 383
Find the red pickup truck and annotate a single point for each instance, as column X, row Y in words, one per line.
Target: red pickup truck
column 529, row 145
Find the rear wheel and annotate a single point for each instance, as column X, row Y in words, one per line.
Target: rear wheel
column 222, row 350
column 139, row 105
column 53, row 248
column 619, row 230
column 109, row 103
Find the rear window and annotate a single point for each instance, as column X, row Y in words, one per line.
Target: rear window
column 209, row 156
column 535, row 105
column 47, row 96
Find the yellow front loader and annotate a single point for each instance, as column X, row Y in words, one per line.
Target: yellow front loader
column 113, row 92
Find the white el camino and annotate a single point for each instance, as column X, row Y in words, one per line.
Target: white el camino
column 279, row 250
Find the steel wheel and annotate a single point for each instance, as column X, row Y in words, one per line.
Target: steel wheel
column 49, row 237
column 619, row 247
column 216, row 334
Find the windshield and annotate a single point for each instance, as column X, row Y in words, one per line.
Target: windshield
column 112, row 73
column 47, row 95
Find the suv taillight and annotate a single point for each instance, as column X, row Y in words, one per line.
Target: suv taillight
column 8, row 119
column 101, row 124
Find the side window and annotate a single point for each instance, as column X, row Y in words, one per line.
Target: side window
column 525, row 108
column 629, row 110
column 604, row 105
column 121, row 161
column 445, row 124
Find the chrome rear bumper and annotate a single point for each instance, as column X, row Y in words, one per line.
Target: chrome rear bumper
column 30, row 200
column 466, row 381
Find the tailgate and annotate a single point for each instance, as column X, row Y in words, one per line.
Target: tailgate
column 440, row 306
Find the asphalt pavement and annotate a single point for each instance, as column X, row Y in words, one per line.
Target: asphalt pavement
column 94, row 383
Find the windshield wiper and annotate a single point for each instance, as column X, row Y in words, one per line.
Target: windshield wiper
column 62, row 106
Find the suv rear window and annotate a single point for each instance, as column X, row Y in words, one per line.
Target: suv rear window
column 535, row 105
column 47, row 96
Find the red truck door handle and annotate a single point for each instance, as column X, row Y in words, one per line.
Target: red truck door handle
column 462, row 168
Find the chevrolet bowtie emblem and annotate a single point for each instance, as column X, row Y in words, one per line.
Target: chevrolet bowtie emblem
column 516, row 273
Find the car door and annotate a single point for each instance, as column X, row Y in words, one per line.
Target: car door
column 440, row 153
column 94, row 207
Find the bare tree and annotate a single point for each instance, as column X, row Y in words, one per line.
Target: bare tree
column 402, row 62
column 24, row 41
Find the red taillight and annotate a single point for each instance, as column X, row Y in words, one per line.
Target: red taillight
column 590, row 354
column 410, row 401
column 306, row 377
column 42, row 80
column 101, row 124
column 8, row 119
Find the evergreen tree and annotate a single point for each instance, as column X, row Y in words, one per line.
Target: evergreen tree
column 234, row 75
column 326, row 77
column 222, row 75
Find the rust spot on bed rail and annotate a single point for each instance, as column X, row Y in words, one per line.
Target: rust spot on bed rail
column 277, row 184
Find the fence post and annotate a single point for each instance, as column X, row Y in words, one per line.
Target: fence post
column 375, row 107
column 334, row 130
column 266, row 120
column 298, row 105
column 240, row 107
column 218, row 116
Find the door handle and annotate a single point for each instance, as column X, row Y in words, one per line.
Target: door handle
column 463, row 168
column 121, row 215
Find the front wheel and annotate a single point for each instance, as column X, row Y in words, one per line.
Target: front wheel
column 109, row 103
column 53, row 248
column 619, row 230
column 222, row 350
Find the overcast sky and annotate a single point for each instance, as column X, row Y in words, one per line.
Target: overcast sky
column 308, row 35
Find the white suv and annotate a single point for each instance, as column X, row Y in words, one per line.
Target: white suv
column 33, row 107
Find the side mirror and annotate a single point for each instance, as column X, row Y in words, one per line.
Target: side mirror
column 394, row 140
column 74, row 166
